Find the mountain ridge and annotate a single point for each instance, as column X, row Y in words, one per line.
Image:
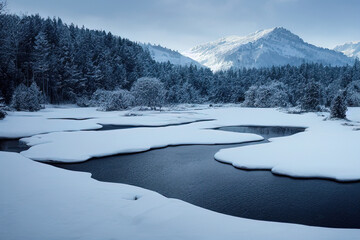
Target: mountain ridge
column 264, row 48
column 162, row 54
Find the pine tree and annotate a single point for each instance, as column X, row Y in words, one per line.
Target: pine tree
column 41, row 61
column 2, row 105
column 338, row 106
column 26, row 98
column 311, row 96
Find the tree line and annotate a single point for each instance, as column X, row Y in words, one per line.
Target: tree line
column 70, row 63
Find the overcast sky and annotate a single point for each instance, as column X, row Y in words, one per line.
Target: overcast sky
column 182, row 24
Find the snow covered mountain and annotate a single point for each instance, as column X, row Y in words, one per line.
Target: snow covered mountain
column 276, row 46
column 162, row 54
column 349, row 49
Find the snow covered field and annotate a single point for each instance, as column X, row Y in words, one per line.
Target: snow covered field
column 43, row 202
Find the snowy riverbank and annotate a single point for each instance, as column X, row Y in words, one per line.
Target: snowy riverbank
column 327, row 149
column 43, row 202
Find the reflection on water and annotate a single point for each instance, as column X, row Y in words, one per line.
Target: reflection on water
column 265, row 131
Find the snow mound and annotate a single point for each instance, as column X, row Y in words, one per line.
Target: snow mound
column 328, row 151
column 81, row 146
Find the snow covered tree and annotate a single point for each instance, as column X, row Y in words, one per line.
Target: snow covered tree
column 41, row 61
column 250, row 97
column 311, row 96
column 149, row 92
column 26, row 98
column 19, row 98
column 338, row 106
column 117, row 100
column 270, row 95
column 353, row 94
column 83, row 101
column 2, row 105
column 98, row 97
column 112, row 100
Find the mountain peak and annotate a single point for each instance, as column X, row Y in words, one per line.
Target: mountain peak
column 264, row 48
column 351, row 49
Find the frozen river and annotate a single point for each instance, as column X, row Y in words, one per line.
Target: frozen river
column 190, row 173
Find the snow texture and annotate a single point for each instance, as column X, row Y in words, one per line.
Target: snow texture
column 39, row 201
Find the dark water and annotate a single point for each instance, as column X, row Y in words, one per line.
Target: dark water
column 190, row 173
column 106, row 127
column 76, row 119
column 265, row 131
column 12, row 145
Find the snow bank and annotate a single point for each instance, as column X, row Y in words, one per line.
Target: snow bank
column 24, row 124
column 81, row 146
column 43, row 202
column 327, row 149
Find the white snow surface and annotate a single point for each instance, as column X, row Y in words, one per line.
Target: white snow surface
column 43, row 202
column 266, row 48
column 53, row 119
column 327, row 149
column 81, row 146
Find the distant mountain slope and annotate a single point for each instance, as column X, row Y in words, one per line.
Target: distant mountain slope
column 276, row 46
column 162, row 54
column 349, row 49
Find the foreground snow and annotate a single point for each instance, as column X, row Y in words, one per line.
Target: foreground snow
column 42, row 202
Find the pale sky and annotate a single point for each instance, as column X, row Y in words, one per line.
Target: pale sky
column 182, row 24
